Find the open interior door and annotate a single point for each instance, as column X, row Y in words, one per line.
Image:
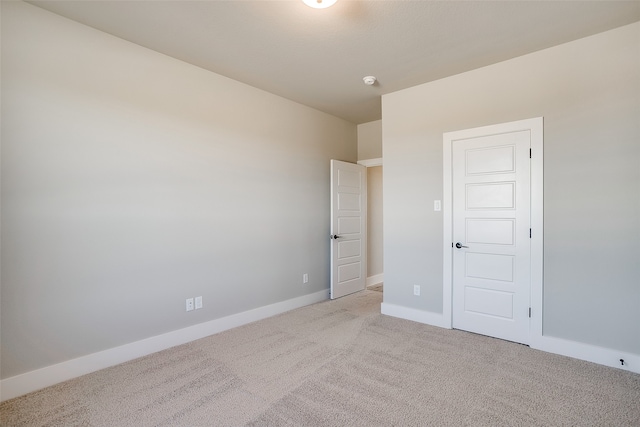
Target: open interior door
column 348, row 228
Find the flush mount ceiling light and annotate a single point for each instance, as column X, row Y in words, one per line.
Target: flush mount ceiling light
column 319, row 4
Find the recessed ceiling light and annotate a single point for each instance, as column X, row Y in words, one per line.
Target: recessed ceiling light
column 319, row 4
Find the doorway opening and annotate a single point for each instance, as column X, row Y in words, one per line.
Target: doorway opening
column 375, row 238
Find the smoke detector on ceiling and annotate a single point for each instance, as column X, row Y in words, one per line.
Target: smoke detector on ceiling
column 369, row 80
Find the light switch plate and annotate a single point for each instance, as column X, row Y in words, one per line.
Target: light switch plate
column 437, row 205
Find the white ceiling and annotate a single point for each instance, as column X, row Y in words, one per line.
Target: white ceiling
column 319, row 57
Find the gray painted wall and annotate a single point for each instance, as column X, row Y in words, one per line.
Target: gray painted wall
column 370, row 140
column 131, row 181
column 588, row 92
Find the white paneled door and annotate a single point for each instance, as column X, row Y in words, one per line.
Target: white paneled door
column 348, row 228
column 491, row 234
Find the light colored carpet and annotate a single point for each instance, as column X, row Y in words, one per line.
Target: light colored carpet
column 378, row 287
column 339, row 363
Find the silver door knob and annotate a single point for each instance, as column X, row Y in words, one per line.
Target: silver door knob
column 460, row 245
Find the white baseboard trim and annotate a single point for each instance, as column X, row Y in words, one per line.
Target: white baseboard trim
column 50, row 375
column 375, row 279
column 588, row 352
column 420, row 316
column 577, row 350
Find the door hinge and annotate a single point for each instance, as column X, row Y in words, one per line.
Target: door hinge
column 529, row 311
column 529, row 152
column 529, row 233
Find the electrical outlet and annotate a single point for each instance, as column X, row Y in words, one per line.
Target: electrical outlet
column 305, row 278
column 198, row 302
column 189, row 304
column 416, row 290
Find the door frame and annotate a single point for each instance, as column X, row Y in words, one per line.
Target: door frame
column 535, row 126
